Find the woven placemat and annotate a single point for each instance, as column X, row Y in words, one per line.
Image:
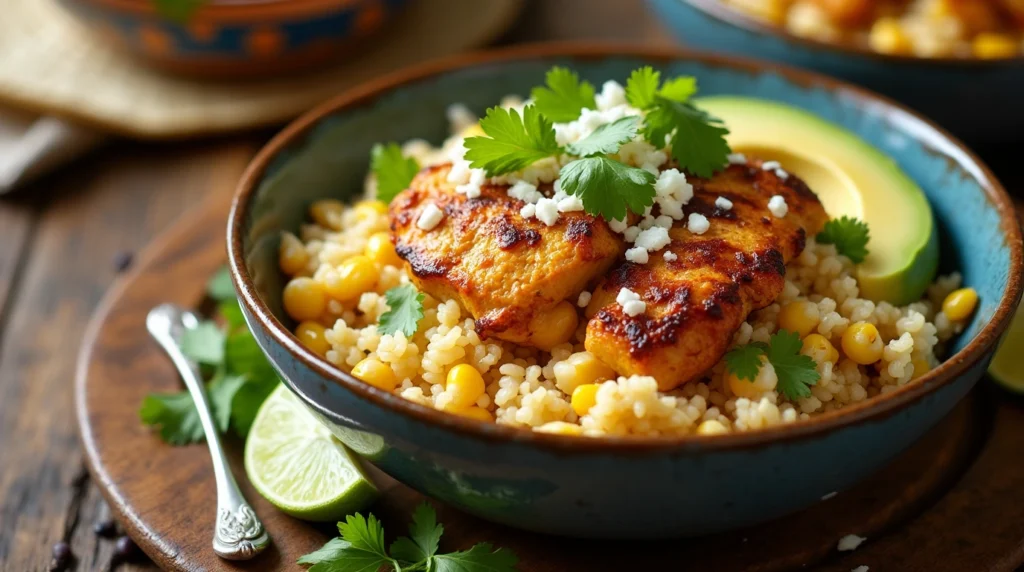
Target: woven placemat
column 50, row 64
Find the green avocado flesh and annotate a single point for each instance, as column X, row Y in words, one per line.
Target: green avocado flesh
column 851, row 178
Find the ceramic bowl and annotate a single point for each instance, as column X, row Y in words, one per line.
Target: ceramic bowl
column 234, row 38
column 976, row 99
column 613, row 487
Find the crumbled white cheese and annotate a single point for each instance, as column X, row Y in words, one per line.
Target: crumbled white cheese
column 430, row 217
column 612, row 94
column 569, row 204
column 528, row 211
column 781, row 173
column 777, row 205
column 672, row 192
column 639, row 153
column 653, row 239
column 697, row 223
column 472, row 188
column 630, row 302
column 584, row 299
column 737, row 159
column 525, row 192
column 850, row 542
column 547, row 211
column 637, row 254
column 829, row 495
column 618, row 226
column 670, row 256
column 770, row 165
column 664, row 221
column 460, row 117
column 631, row 233
column 860, row 568
column 723, row 203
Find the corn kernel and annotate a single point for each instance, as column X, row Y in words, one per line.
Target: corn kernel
column 473, row 130
column 465, row 384
column 292, row 256
column 711, row 427
column 584, row 397
column 887, row 37
column 818, row 345
column 304, row 299
column 353, row 277
column 560, row 428
column 921, row 367
column 800, row 316
column 380, row 250
column 991, row 46
column 862, row 343
column 376, row 373
column 555, row 327
column 370, row 209
column 311, row 334
column 765, row 380
column 478, row 413
column 327, row 213
column 960, row 304
column 578, row 369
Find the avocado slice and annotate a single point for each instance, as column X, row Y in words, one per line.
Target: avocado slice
column 851, row 178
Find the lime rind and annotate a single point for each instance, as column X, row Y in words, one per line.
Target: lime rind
column 1007, row 367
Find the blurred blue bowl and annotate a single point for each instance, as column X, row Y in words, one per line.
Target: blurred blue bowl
column 979, row 100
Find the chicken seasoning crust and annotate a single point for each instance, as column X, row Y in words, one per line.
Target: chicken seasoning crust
column 598, row 262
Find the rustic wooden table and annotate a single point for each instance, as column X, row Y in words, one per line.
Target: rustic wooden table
column 62, row 241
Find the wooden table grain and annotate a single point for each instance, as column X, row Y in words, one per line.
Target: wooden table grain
column 60, row 243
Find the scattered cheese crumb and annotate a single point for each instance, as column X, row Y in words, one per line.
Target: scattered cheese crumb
column 737, row 159
column 781, row 173
column 525, row 192
column 653, row 239
column 472, row 188
column 670, row 256
column 430, row 217
column 460, row 117
column 617, row 225
column 569, row 204
column 631, row 233
column 770, row 165
column 829, row 495
column 528, row 211
column 547, row 211
column 630, row 302
column 638, row 255
column 698, row 223
column 777, row 205
column 672, row 192
column 860, row 568
column 849, row 542
column 723, row 203
column 612, row 94
column 584, row 299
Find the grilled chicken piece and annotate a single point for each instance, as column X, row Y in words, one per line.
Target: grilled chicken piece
column 514, row 275
column 695, row 303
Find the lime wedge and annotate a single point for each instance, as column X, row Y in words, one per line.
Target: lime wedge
column 297, row 465
column 1007, row 366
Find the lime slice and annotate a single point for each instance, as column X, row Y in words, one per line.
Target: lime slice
column 297, row 465
column 1007, row 367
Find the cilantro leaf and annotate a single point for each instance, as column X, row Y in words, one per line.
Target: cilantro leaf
column 343, row 557
column 333, row 550
column 679, row 88
column 221, row 392
column 405, row 309
column 246, row 404
column 513, row 142
column 424, row 536
column 745, row 361
column 220, row 287
column 480, row 558
column 850, row 236
column 242, row 355
column 204, row 343
column 366, row 535
column 564, row 97
column 642, row 86
column 175, row 415
column 232, row 313
column 607, row 138
column 607, row 187
column 796, row 372
column 698, row 139
column 394, row 172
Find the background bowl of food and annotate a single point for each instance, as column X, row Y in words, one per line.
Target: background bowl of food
column 960, row 62
column 551, row 439
column 231, row 38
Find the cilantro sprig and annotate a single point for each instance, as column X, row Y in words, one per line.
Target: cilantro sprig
column 850, row 236
column 607, row 187
column 564, row 96
column 361, row 548
column 405, row 310
column 393, row 170
column 796, row 372
column 240, row 377
column 513, row 142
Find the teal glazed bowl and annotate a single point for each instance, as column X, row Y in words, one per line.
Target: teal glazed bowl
column 613, row 487
column 976, row 99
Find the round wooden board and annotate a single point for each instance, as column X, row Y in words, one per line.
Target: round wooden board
column 945, row 504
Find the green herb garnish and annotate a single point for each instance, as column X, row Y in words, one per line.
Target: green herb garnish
column 405, row 310
column 607, row 187
column 393, row 170
column 796, row 372
column 850, row 236
column 513, row 142
column 361, row 549
column 564, row 96
column 606, row 139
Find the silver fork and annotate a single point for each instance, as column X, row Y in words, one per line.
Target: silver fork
column 238, row 534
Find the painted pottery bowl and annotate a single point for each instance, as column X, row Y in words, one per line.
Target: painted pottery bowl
column 232, row 38
column 614, row 487
column 976, row 99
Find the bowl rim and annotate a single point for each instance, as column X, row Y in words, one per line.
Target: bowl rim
column 255, row 8
column 869, row 410
column 732, row 16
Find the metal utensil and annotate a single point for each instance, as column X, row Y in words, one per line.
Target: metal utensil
column 238, row 534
